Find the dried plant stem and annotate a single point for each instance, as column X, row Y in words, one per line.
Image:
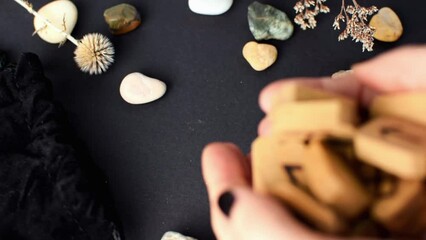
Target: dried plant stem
column 355, row 18
column 29, row 8
column 307, row 10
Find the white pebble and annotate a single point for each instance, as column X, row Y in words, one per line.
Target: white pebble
column 210, row 7
column 137, row 88
column 175, row 236
column 61, row 13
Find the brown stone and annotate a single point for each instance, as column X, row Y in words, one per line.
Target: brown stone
column 122, row 18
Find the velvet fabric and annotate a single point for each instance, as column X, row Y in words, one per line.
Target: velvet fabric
column 48, row 190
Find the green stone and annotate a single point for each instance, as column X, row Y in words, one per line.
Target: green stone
column 267, row 22
column 122, row 18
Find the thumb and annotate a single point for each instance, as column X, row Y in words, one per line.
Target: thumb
column 402, row 69
column 236, row 211
column 256, row 216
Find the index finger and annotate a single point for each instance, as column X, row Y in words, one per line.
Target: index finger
column 402, row 69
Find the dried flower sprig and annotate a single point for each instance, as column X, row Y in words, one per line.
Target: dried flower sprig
column 307, row 10
column 357, row 27
column 94, row 53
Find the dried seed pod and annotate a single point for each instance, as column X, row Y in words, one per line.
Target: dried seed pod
column 94, row 53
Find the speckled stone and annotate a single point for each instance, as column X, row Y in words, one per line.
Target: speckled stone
column 267, row 22
column 175, row 236
column 122, row 18
column 387, row 24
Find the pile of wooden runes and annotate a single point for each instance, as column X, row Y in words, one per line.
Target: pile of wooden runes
column 343, row 174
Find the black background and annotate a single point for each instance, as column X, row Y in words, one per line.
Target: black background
column 151, row 153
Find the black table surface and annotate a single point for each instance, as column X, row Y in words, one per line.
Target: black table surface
column 151, row 153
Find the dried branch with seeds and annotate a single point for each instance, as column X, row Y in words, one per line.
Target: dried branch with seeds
column 307, row 10
column 355, row 17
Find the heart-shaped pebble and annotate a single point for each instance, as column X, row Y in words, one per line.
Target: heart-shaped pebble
column 61, row 13
column 209, row 7
column 260, row 56
column 387, row 24
column 137, row 88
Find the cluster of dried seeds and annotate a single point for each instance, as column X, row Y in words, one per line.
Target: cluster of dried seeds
column 357, row 25
column 355, row 16
column 307, row 10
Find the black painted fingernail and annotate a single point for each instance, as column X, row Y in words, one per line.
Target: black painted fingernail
column 226, row 200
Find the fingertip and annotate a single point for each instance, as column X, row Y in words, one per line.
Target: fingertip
column 401, row 69
column 264, row 127
column 269, row 94
column 258, row 216
column 214, row 155
column 223, row 166
column 214, row 148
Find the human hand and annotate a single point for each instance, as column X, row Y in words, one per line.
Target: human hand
column 238, row 213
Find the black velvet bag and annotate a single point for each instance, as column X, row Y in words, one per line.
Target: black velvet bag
column 47, row 189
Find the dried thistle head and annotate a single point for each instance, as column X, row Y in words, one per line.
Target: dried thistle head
column 307, row 10
column 357, row 27
column 94, row 53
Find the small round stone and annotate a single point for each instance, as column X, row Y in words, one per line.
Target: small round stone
column 175, row 236
column 61, row 13
column 210, row 7
column 122, row 18
column 137, row 88
column 387, row 24
column 260, row 56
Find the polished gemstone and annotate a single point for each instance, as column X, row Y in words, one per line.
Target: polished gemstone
column 122, row 18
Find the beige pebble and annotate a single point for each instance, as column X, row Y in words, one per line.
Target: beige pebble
column 137, row 88
column 259, row 56
column 387, row 24
column 175, row 236
column 61, row 13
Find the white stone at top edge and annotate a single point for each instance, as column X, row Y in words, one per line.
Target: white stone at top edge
column 175, row 236
column 209, row 7
column 57, row 12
